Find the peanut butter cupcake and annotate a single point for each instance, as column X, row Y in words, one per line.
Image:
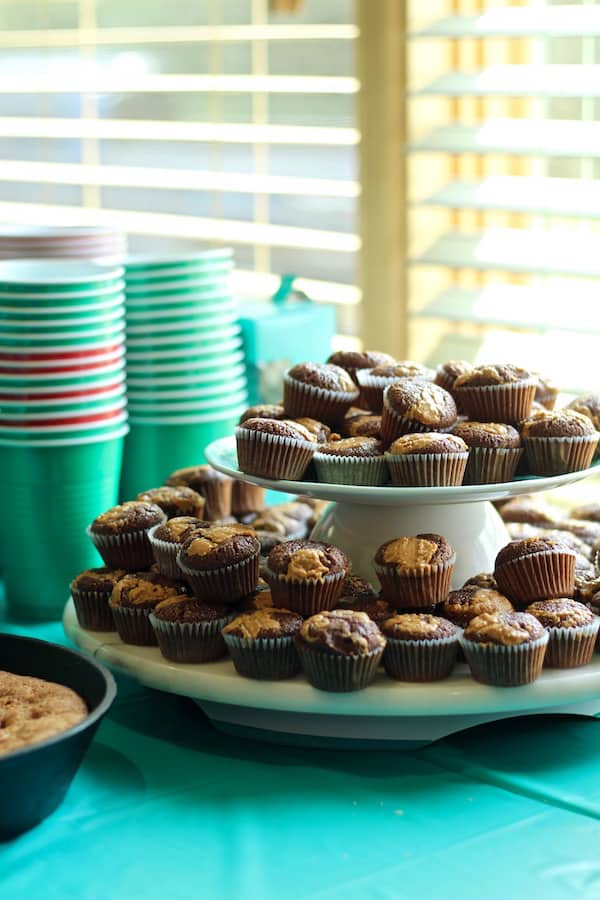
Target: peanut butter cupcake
column 188, row 630
column 273, row 449
column 420, row 647
column 132, row 600
column 220, row 563
column 470, row 601
column 535, row 568
column 448, row 372
column 362, row 425
column 432, row 458
column 354, row 360
column 377, row 609
column 263, row 411
column 505, row 648
column 496, row 393
column 415, row 571
column 415, row 406
column 319, row 390
column 91, row 591
column 494, row 451
column 353, row 460
column 559, row 441
column 166, row 539
column 546, row 392
column 120, row 534
column 175, row 501
column 261, row 643
column 588, row 405
column 306, row 576
column 572, row 631
column 212, row 485
column 374, row 381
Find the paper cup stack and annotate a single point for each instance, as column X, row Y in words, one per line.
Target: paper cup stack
column 186, row 382
column 63, row 420
column 76, row 242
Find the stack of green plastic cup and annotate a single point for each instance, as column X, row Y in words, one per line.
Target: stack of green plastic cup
column 186, row 382
column 63, row 420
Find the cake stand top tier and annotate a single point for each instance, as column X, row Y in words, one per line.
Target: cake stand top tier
column 222, row 455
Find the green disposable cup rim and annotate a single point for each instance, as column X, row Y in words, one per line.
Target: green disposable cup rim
column 179, row 392
column 179, row 353
column 206, row 324
column 190, row 288
column 48, row 430
column 183, row 337
column 67, row 442
column 92, row 402
column 113, row 302
column 194, row 365
column 216, row 272
column 53, row 296
column 31, row 365
column 52, row 274
column 52, row 343
column 152, row 383
column 191, row 406
column 114, row 315
column 42, row 387
column 158, row 421
column 135, row 262
column 53, row 412
column 175, row 311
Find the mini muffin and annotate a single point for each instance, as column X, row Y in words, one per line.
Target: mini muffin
column 415, row 572
column 546, row 392
column 415, row 406
column 261, row 643
column 374, row 381
column 287, row 520
column 353, row 460
column 448, row 372
column 321, row 391
column 261, row 598
column 377, row 609
column 589, row 512
column 362, row 425
column 263, row 411
column 120, row 534
column 470, row 601
column 535, row 568
column 432, row 458
column 273, row 449
column 495, row 393
column 319, row 430
column 588, row 532
column 495, row 450
column 340, row 650
column 420, row 647
column 188, row 630
column 220, row 563
column 91, row 592
column 530, row 510
column 246, row 498
column 132, row 600
column 572, row 630
column 483, row 580
column 356, row 589
column 505, row 648
column 588, row 405
column 167, row 538
column 212, row 485
column 559, row 442
column 353, row 360
column 306, row 576
column 175, row 501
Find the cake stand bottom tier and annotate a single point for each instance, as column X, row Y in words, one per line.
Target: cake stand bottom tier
column 475, row 530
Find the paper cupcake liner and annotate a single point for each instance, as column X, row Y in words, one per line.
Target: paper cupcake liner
column 263, row 658
column 538, row 576
column 134, row 625
column 394, row 426
column 130, row 550
column 217, row 495
column 227, row 584
column 372, row 388
column 571, row 647
column 416, row 588
column 425, row 660
column 247, row 498
column 335, row 672
column 165, row 555
column 503, row 666
column 272, row 456
column 93, row 611
column 190, row 642
column 510, row 403
column 304, row 596
column 350, row 469
column 305, row 400
column 426, row 469
column 492, row 465
column 558, row 455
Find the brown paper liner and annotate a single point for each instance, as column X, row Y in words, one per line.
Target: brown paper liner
column 556, row 456
column 165, row 555
column 304, row 400
column 190, row 642
column 130, row 551
column 369, row 470
column 372, row 388
column 93, row 611
column 335, row 672
column 426, row 469
column 247, row 498
column 571, row 647
column 217, row 494
column 264, row 658
column 507, row 666
column 425, row 660
column 304, row 596
column 492, row 465
column 225, row 585
column 510, row 403
column 394, row 426
column 272, row 456
column 418, row 587
column 538, row 576
column 134, row 625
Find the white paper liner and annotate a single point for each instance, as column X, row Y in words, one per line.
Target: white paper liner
column 272, row 456
column 537, row 576
column 305, row 596
column 426, row 469
column 190, row 642
column 420, row 660
column 264, row 658
column 571, row 647
column 331, row 469
column 165, row 555
column 505, row 666
column 227, row 584
column 336, row 672
column 558, row 455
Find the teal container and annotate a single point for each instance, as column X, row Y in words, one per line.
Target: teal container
column 53, row 494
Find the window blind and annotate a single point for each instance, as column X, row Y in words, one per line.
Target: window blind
column 502, row 172
column 213, row 121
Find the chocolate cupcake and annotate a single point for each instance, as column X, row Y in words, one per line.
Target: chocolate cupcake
column 271, row 449
column 319, row 390
column 261, row 643
column 505, row 649
column 588, row 405
column 215, row 487
column 175, row 501
column 588, row 512
column 91, row 592
column 546, row 392
column 167, row 538
column 448, row 372
column 415, row 572
column 482, row 579
column 535, row 568
column 432, row 458
column 246, row 498
column 340, row 650
column 354, row 460
column 355, row 589
column 415, row 406
column 374, row 381
column 559, row 442
column 263, row 411
column 420, row 647
column 470, row 601
column 495, row 450
column 362, row 425
column 188, row 630
column 529, row 510
column 306, row 576
column 377, row 609
column 261, row 598
column 496, row 393
column 132, row 600
column 120, row 534
column 319, row 430
column 354, row 360
column 220, row 563
column 572, row 630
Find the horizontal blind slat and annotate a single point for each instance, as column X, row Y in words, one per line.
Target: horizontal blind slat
column 521, row 137
column 518, row 21
column 518, row 81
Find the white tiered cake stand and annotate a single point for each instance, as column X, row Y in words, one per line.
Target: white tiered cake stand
column 388, row 713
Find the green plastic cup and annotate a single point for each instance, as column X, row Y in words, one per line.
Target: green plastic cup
column 23, row 276
column 185, row 365
column 50, row 409
column 47, row 385
column 137, row 263
column 201, row 325
column 191, row 406
column 178, row 278
column 54, row 325
column 170, row 312
column 62, row 298
column 171, row 382
column 185, row 393
column 183, row 354
column 88, row 311
column 200, row 338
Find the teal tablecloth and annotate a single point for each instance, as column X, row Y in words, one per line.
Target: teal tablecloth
column 165, row 807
